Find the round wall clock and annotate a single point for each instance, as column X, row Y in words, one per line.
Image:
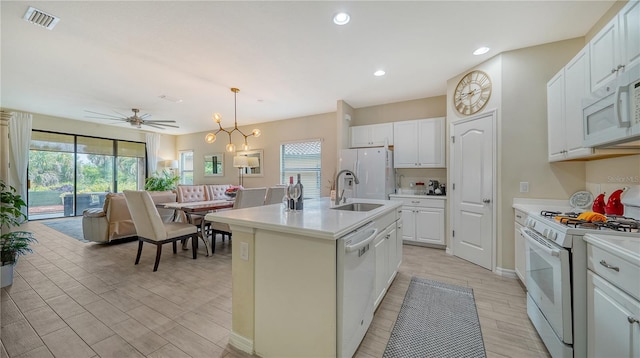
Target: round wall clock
column 472, row 92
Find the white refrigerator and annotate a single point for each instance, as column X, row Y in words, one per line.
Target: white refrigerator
column 374, row 169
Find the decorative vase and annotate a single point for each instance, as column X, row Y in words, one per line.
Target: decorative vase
column 6, row 275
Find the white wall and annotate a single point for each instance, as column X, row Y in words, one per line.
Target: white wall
column 519, row 94
column 274, row 134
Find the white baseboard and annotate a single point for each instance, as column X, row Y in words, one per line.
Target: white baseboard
column 448, row 251
column 242, row 343
column 506, row 272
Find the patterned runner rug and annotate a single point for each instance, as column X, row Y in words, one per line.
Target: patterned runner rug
column 436, row 320
column 69, row 227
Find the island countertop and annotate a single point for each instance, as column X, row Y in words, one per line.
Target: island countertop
column 317, row 220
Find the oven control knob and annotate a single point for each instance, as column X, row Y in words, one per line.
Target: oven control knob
column 545, row 233
column 553, row 235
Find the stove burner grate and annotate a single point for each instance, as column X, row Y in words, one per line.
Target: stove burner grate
column 614, row 222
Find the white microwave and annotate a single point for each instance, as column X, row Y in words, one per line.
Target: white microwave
column 612, row 115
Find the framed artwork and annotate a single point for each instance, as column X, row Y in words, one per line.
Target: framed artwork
column 214, row 165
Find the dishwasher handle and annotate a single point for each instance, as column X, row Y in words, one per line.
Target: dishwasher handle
column 357, row 246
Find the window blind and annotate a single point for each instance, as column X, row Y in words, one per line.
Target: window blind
column 302, row 158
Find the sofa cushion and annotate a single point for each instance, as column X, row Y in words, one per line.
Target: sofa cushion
column 191, row 193
column 216, row 191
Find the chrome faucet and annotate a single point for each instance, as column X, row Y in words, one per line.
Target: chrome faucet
column 340, row 195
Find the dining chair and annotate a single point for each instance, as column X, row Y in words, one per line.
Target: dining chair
column 150, row 227
column 245, row 198
column 274, row 195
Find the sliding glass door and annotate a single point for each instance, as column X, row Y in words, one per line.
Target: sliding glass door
column 51, row 175
column 69, row 174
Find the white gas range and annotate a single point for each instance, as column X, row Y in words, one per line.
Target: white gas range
column 556, row 274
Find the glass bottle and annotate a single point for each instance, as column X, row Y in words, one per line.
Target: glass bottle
column 299, row 203
column 291, row 201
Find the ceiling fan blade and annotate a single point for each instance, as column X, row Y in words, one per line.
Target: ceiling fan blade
column 165, row 125
column 151, row 125
column 122, row 115
column 106, row 115
column 159, row 121
column 108, row 119
column 146, row 115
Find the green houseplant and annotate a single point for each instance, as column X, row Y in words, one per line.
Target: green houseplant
column 167, row 181
column 13, row 243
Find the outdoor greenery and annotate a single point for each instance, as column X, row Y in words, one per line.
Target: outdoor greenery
column 167, row 181
column 12, row 243
column 54, row 171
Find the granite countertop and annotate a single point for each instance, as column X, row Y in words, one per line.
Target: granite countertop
column 317, row 219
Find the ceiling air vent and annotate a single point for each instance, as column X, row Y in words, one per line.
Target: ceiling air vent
column 41, row 18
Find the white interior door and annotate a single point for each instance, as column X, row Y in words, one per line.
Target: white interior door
column 472, row 164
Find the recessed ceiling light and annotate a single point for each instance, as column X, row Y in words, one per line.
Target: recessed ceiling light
column 481, row 51
column 341, row 18
column 379, row 73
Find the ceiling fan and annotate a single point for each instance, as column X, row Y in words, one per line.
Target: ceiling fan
column 135, row 120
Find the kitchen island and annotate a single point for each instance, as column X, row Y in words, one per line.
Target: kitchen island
column 293, row 283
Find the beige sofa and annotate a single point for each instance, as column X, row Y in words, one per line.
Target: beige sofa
column 114, row 222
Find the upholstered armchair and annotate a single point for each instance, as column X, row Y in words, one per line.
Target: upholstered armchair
column 150, row 227
column 113, row 221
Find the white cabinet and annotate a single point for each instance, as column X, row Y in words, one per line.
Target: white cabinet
column 612, row 326
column 381, row 253
column 374, row 135
column 616, row 46
column 565, row 92
column 520, row 254
column 613, row 296
column 423, row 219
column 419, row 143
column 387, row 260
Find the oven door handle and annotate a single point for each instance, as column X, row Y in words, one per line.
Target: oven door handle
column 547, row 250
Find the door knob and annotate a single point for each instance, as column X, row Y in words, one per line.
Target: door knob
column 486, row 201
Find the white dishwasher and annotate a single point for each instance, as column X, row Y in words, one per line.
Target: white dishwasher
column 356, row 276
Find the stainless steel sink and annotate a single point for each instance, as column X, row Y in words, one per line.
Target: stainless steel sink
column 357, row 207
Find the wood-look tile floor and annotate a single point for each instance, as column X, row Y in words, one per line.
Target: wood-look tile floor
column 72, row 299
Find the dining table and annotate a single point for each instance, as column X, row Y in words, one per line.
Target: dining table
column 198, row 208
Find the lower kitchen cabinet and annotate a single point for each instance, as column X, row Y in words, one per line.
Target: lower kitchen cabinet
column 387, row 260
column 613, row 296
column 423, row 219
column 520, row 254
column 612, row 320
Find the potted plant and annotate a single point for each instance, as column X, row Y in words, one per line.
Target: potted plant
column 13, row 243
column 167, row 181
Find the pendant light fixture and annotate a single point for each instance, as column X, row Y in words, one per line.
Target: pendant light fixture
column 211, row 137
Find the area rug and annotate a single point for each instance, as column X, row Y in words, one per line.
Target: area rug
column 436, row 320
column 69, row 227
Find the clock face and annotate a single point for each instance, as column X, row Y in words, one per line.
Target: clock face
column 472, row 93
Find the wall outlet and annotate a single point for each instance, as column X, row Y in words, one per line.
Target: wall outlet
column 524, row 186
column 244, row 251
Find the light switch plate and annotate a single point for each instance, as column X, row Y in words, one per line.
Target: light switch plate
column 524, row 186
column 244, row 251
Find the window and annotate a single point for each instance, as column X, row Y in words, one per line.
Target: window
column 302, row 158
column 69, row 173
column 186, row 167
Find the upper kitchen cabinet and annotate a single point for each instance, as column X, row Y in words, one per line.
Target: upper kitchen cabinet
column 616, row 46
column 564, row 109
column 419, row 143
column 373, row 135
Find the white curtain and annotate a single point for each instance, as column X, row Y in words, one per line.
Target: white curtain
column 20, row 139
column 153, row 149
